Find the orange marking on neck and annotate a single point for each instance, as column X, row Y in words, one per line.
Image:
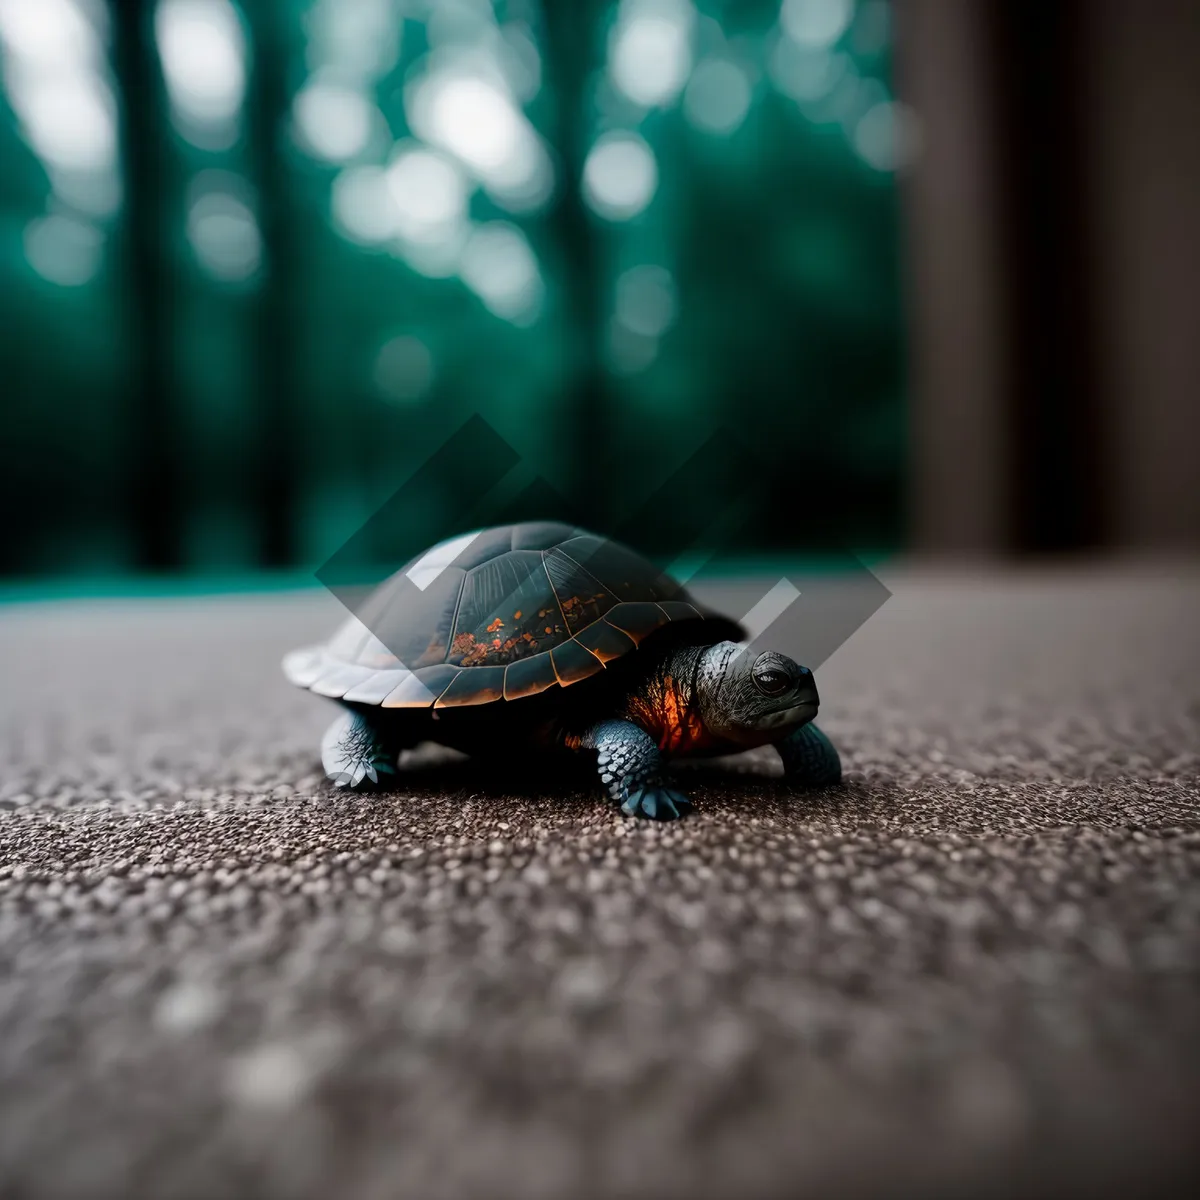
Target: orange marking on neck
column 667, row 718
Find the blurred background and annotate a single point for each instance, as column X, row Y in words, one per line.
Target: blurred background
column 932, row 261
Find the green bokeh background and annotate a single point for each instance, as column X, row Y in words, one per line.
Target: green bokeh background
column 160, row 417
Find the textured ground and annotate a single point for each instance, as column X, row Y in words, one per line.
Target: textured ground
column 971, row 971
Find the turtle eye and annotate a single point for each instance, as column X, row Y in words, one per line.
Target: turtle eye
column 771, row 681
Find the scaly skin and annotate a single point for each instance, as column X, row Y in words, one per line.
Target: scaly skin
column 703, row 700
column 629, row 766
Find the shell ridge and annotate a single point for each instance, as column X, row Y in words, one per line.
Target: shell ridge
column 575, row 638
column 554, row 593
column 590, row 624
column 636, row 637
column 437, row 699
column 523, row 664
column 462, row 591
column 571, row 558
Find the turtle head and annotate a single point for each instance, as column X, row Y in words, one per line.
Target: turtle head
column 750, row 698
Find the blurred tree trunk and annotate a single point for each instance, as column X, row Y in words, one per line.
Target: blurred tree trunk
column 279, row 318
column 572, row 37
column 155, row 468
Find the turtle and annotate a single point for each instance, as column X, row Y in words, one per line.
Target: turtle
column 544, row 637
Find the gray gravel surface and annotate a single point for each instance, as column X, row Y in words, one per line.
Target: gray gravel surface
column 970, row 971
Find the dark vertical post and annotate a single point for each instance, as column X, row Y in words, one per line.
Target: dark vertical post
column 1143, row 97
column 1057, row 438
column 1010, row 439
column 154, row 501
column 277, row 327
column 572, row 32
column 960, row 385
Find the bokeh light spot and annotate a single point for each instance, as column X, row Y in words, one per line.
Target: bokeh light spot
column 458, row 22
column 650, row 52
column 47, row 33
column 362, row 205
column 222, row 229
column 404, row 369
column 629, row 352
column 203, row 50
column 428, row 192
column 63, row 250
column 717, row 97
column 60, row 90
column 359, row 39
column 472, row 117
column 620, row 176
column 521, row 62
column 816, row 22
column 499, row 265
column 333, row 122
column 887, row 136
column 804, row 74
column 69, row 119
column 645, row 300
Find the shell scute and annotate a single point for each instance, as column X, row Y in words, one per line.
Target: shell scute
column 582, row 598
column 605, row 641
column 529, row 677
column 487, row 631
column 420, row 689
column 480, row 686
column 573, row 662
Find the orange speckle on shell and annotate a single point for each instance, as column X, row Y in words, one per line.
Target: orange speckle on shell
column 496, row 624
column 517, row 615
column 548, row 629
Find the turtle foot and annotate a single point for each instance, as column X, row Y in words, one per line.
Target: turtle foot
column 656, row 802
column 354, row 756
column 810, row 759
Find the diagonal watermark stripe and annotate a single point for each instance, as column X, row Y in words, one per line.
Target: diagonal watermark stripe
column 769, row 609
column 702, row 512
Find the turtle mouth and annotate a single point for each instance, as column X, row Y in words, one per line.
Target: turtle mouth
column 793, row 715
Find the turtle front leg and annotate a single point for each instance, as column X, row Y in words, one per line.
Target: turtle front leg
column 809, row 758
column 358, row 754
column 629, row 766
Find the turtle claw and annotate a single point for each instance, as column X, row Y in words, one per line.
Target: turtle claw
column 656, row 802
column 362, row 777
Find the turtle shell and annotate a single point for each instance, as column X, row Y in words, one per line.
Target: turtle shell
column 500, row 613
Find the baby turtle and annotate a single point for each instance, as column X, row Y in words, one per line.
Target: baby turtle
column 540, row 636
